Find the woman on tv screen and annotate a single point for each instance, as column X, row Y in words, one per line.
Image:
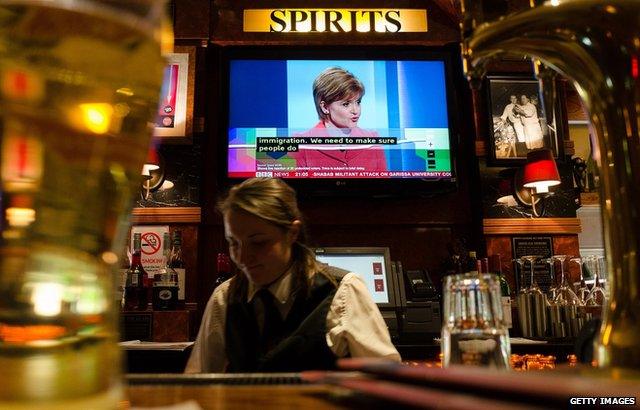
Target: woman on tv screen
column 337, row 95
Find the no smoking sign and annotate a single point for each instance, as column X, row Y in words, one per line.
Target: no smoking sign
column 150, row 243
column 151, row 246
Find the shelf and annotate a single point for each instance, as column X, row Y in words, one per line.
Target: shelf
column 509, row 226
column 166, row 215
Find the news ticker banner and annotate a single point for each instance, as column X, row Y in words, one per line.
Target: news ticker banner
column 283, row 20
column 347, row 174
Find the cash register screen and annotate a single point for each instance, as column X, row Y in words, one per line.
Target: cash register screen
column 371, row 264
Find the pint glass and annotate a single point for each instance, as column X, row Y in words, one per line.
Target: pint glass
column 474, row 331
column 79, row 84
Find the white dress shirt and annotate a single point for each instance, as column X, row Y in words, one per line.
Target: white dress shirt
column 354, row 324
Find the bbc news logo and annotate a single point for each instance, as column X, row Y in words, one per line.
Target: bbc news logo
column 264, row 174
column 602, row 401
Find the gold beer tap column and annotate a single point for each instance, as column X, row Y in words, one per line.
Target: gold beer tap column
column 597, row 45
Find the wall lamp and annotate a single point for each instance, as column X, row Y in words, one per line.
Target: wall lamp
column 539, row 173
column 152, row 173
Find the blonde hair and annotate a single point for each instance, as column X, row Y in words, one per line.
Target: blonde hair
column 335, row 84
column 274, row 201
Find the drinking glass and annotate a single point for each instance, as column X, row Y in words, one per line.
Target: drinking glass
column 80, row 85
column 583, row 290
column 553, row 289
column 537, row 301
column 597, row 296
column 589, row 266
column 520, row 269
column 523, row 302
column 474, row 332
column 564, row 294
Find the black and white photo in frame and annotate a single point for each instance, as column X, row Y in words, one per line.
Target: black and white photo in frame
column 518, row 122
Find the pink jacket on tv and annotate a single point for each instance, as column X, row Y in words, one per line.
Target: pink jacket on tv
column 370, row 158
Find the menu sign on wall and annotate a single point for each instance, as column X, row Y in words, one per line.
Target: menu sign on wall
column 335, row 20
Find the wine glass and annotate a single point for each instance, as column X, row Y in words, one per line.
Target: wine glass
column 583, row 291
column 565, row 295
column 523, row 302
column 520, row 263
column 597, row 296
column 538, row 301
column 532, row 260
column 590, row 262
column 553, row 289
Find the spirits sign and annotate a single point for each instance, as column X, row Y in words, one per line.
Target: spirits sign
column 335, row 20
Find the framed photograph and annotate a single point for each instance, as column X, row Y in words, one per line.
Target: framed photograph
column 518, row 121
column 175, row 107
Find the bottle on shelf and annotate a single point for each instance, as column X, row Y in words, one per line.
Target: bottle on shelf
column 495, row 266
column 125, row 264
column 473, row 264
column 223, row 264
column 593, row 175
column 484, row 265
column 177, row 263
column 457, row 263
column 165, row 282
column 176, row 250
column 136, row 295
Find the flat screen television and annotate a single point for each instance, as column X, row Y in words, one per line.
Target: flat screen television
column 373, row 264
column 403, row 129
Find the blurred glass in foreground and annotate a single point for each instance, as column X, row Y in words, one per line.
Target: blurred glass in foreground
column 79, row 84
column 474, row 332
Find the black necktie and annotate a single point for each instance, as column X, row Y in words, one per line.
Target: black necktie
column 272, row 324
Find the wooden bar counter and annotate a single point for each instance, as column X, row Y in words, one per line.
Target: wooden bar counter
column 375, row 384
column 230, row 392
column 223, row 397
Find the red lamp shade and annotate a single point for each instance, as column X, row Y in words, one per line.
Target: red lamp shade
column 152, row 163
column 541, row 171
column 152, row 157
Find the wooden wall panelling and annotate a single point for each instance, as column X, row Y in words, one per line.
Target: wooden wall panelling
column 501, row 244
column 568, row 245
column 173, row 326
column 191, row 19
column 564, row 233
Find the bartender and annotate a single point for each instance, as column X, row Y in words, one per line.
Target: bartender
column 285, row 312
